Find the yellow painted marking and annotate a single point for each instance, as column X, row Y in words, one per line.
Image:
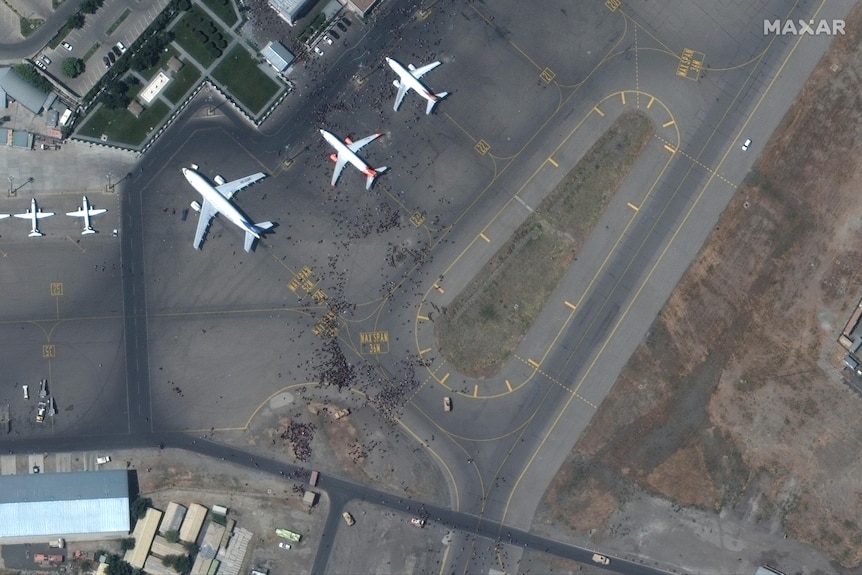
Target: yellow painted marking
column 670, row 149
column 508, row 385
column 438, row 288
column 417, row 218
column 423, row 14
column 424, row 351
column 374, row 342
column 484, row 237
column 443, row 379
column 320, row 297
column 690, row 64
column 4, row 253
column 553, row 163
column 623, row 97
column 570, row 306
column 599, row 112
column 634, row 207
column 668, row 124
column 288, row 163
column 421, row 318
column 482, row 147
column 56, row 289
column 49, row 351
column 533, row 363
column 650, row 103
column 76, row 244
column 476, row 390
column 547, row 75
column 612, row 5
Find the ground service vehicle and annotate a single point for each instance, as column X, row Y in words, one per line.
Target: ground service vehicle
column 601, row 559
column 447, row 404
column 289, row 535
column 40, row 412
column 103, row 460
column 26, row 389
column 348, row 518
column 315, row 475
column 417, row 522
column 284, row 545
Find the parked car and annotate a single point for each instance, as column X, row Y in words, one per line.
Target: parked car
column 47, row 60
column 328, row 40
column 41, row 64
column 348, row 518
column 334, row 34
column 117, row 52
column 284, row 545
column 318, row 51
column 341, row 26
column 106, row 61
column 121, row 47
column 67, row 46
column 40, row 412
column 447, row 404
column 346, row 21
column 746, row 145
column 112, row 57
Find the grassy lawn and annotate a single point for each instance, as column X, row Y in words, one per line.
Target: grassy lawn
column 163, row 61
column 29, row 25
column 224, row 10
column 113, row 27
column 121, row 126
column 91, row 51
column 202, row 38
column 485, row 323
column 182, row 82
column 239, row 74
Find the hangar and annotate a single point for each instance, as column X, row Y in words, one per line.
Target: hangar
column 74, row 505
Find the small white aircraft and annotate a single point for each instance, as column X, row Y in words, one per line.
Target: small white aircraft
column 86, row 212
column 34, row 214
column 346, row 152
column 409, row 78
column 216, row 201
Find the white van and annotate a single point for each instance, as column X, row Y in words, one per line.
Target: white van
column 26, row 391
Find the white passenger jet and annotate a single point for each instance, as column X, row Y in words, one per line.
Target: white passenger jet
column 86, row 212
column 347, row 153
column 34, row 214
column 216, row 201
column 409, row 78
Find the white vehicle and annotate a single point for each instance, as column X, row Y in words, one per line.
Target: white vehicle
column 41, row 64
column 318, row 51
column 40, row 412
column 348, row 518
column 217, row 201
column 746, row 145
column 447, row 403
column 346, row 152
column 417, row 522
column 121, row 46
column 43, row 388
column 34, row 214
column 328, row 40
column 26, row 389
column 86, row 212
column 47, row 60
column 601, row 559
column 284, row 545
column 67, row 46
column 408, row 78
column 103, row 460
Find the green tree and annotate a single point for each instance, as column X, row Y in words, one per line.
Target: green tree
column 91, row 6
column 116, row 95
column 73, row 67
column 116, row 566
column 76, row 21
column 180, row 563
column 127, row 543
column 32, row 76
column 139, row 507
column 172, row 535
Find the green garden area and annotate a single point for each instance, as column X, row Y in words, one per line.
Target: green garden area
column 201, row 37
column 162, row 62
column 239, row 74
column 121, row 126
column 224, row 10
column 181, row 82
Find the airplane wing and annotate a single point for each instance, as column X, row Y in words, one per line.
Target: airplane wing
column 230, row 188
column 207, row 213
column 26, row 216
column 419, row 72
column 402, row 91
column 339, row 166
column 359, row 144
column 81, row 213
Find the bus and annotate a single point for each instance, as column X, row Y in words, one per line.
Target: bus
column 289, row 535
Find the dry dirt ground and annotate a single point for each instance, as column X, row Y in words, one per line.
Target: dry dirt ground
column 733, row 409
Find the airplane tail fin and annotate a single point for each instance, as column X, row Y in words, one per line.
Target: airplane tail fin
column 431, row 103
column 88, row 231
column 369, row 181
column 35, row 234
column 263, row 226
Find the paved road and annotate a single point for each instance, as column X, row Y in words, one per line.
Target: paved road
column 14, row 52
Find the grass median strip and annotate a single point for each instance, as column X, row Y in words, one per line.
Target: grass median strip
column 488, row 319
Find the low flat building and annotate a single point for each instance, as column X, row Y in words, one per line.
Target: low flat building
column 278, row 56
column 192, row 523
column 360, row 7
column 174, row 515
column 145, row 532
column 291, row 10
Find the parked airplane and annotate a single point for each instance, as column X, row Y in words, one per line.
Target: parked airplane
column 409, row 78
column 217, row 201
column 34, row 214
column 86, row 212
column 347, row 153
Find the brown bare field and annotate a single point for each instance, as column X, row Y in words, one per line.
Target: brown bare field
column 489, row 318
column 735, row 399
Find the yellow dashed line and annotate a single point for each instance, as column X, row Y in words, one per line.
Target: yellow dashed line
column 634, row 207
column 484, row 237
column 570, row 305
column 599, row 112
column 444, row 378
column 553, row 163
